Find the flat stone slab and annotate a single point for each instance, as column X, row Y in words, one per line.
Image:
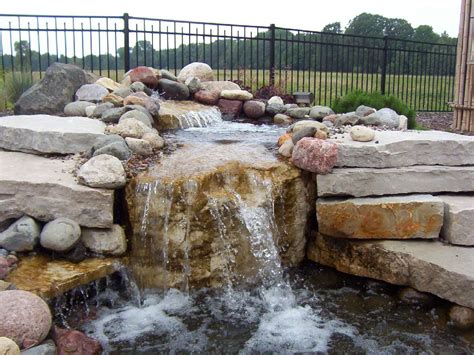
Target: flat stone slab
column 458, row 225
column 359, row 182
column 397, row 149
column 392, row 217
column 428, row 266
column 51, row 278
column 46, row 189
column 44, row 134
column 186, row 114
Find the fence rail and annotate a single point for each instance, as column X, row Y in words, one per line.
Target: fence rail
column 327, row 64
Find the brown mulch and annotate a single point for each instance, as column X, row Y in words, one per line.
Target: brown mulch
column 440, row 121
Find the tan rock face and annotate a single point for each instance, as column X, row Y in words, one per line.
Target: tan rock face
column 394, row 217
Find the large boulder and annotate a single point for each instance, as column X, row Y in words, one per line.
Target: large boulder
column 241, row 95
column 53, row 92
column 104, row 171
column 26, row 318
column 91, row 93
column 207, row 97
column 21, row 236
column 202, row 71
column 254, row 109
column 173, row 90
column 315, row 155
column 146, row 75
column 105, row 241
column 60, row 235
column 383, row 117
column 230, row 109
column 218, row 86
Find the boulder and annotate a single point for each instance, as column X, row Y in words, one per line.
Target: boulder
column 143, row 74
column 142, row 110
column 70, row 341
column 8, row 347
column 124, row 92
column 91, row 93
column 219, row 86
column 139, row 146
column 138, row 115
column 105, row 241
column 193, row 84
column 363, row 111
column 103, row 141
column 77, row 108
column 275, row 108
column 89, row 110
column 362, row 134
column 26, row 318
column 138, row 86
column 60, row 235
column 275, row 100
column 118, row 149
column 458, row 217
column 391, row 217
column 331, row 118
column 383, row 117
column 254, row 109
column 53, row 92
column 116, row 100
column 426, row 265
column 230, row 109
column 46, row 348
column 202, row 71
column 298, row 112
column 101, row 108
column 359, row 182
column 173, row 90
column 112, row 115
column 241, row 95
column 349, row 118
column 108, row 84
column 281, row 118
column 461, row 317
column 154, row 139
column 38, row 134
column 307, row 123
column 286, row 149
column 129, row 127
column 315, row 155
column 165, row 74
column 319, row 112
column 21, row 236
column 308, row 131
column 103, row 171
column 207, row 97
column 137, row 98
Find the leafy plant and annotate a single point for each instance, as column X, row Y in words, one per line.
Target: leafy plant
column 351, row 101
column 16, row 83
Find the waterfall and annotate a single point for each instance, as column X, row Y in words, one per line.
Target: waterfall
column 202, row 118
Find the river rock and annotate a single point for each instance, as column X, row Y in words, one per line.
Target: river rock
column 230, row 109
column 308, row 131
column 315, row 155
column 458, row 217
column 202, row 71
column 307, row 123
column 91, row 93
column 359, row 182
column 362, row 134
column 124, row 92
column 173, row 90
column 193, row 84
column 8, row 347
column 427, row 265
column 105, row 241
column 241, row 95
column 363, row 111
column 298, row 112
column 274, row 109
column 112, row 145
column 207, row 97
column 26, row 318
column 154, row 139
column 281, row 118
column 39, row 134
column 70, row 341
column 103, row 171
column 138, row 115
column 141, row 109
column 383, row 117
column 139, row 146
column 108, row 83
column 137, row 98
column 319, row 112
column 77, row 108
column 60, row 235
column 112, row 115
column 101, row 108
column 138, row 86
column 166, row 74
column 254, row 109
column 286, row 149
column 116, row 100
column 129, row 127
column 349, row 118
column 218, row 86
column 388, row 217
column 46, row 348
column 143, row 74
column 21, row 236
column 461, row 317
column 89, row 110
column 52, row 93
column 275, row 100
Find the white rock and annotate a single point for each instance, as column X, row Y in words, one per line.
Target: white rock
column 383, row 117
column 139, row 146
column 275, row 100
column 241, row 95
column 21, row 236
column 105, row 241
column 89, row 110
column 362, row 134
column 155, row 140
column 403, row 126
column 103, row 171
column 202, row 71
column 60, row 235
column 458, row 219
column 286, row 148
column 129, row 127
column 91, row 92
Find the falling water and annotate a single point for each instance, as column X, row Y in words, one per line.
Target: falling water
column 202, row 118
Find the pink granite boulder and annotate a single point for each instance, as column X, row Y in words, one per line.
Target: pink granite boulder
column 315, row 155
column 230, row 109
column 69, row 341
column 145, row 75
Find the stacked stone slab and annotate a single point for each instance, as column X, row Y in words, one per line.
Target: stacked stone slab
column 382, row 212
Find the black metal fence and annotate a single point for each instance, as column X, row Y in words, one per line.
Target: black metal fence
column 327, row 64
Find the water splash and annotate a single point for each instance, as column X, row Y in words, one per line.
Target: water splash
column 203, row 118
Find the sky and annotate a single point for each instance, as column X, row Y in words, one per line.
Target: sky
column 442, row 15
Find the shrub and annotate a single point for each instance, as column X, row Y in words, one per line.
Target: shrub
column 267, row 91
column 16, row 83
column 351, row 101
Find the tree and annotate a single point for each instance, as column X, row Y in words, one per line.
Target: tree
column 22, row 55
column 334, row 27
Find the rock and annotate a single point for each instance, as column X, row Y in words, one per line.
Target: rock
column 254, row 109
column 202, row 71
column 383, row 117
column 152, row 106
column 46, row 189
column 108, row 83
column 173, row 90
column 328, row 124
column 307, row 123
column 298, row 112
column 275, row 100
column 193, row 84
column 26, row 318
column 129, row 127
column 319, row 112
column 331, row 118
column 230, row 109
column 138, row 115
column 116, row 100
column 411, row 296
column 77, row 254
column 46, row 348
column 91, row 93
column 154, row 139
column 142, row 110
column 165, row 74
column 6, row 286
column 218, row 86
column 112, row 115
column 4, row 268
column 403, row 126
column 185, row 114
column 288, row 106
column 274, row 109
column 53, row 92
column 458, row 217
column 145, row 75
column 137, row 98
column 105, row 140
column 77, row 108
column 308, row 131
column 101, row 108
column 138, row 86
column 60, row 235
column 395, row 149
column 283, row 138
column 241, row 95
column 461, row 317
column 105, row 241
column 21, row 236
column 49, row 134
column 286, row 149
column 112, row 145
column 74, row 342
column 89, row 110
column 360, row 182
column 103, row 171
column 315, row 155
column 207, row 97
column 8, row 347
column 281, row 118
column 124, row 92
column 428, row 266
column 387, row 217
column 139, row 146
column 363, row 111
column 362, row 134
column 349, row 118
column 321, row 135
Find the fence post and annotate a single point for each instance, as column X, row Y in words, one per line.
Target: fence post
column 384, row 65
column 272, row 54
column 126, row 43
